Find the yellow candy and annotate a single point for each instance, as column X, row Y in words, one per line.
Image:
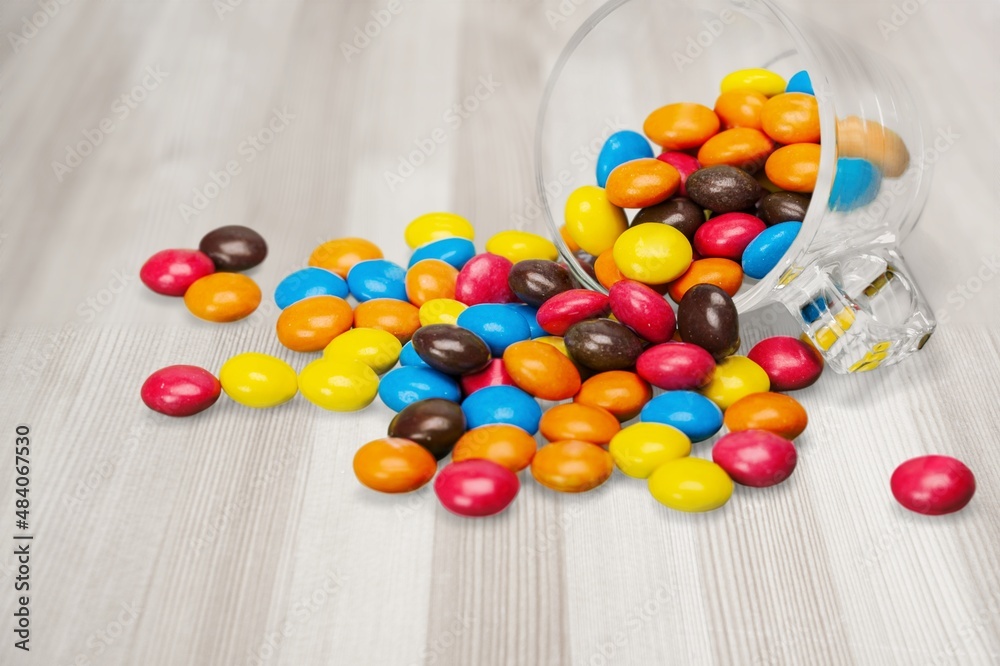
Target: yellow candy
column 435, row 226
column 763, row 81
column 734, row 378
column 555, row 341
column 691, row 484
column 440, row 311
column 340, row 385
column 258, row 380
column 520, row 245
column 377, row 349
column 652, row 253
column 593, row 222
column 641, row 448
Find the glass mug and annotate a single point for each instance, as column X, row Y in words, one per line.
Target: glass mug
column 843, row 278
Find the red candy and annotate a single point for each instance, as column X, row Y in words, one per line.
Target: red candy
column 933, row 485
column 684, row 163
column 756, row 458
column 643, row 310
column 495, row 374
column 483, row 279
column 676, row 366
column 476, row 487
column 789, row 363
column 727, row 235
column 563, row 310
column 171, row 272
column 180, row 390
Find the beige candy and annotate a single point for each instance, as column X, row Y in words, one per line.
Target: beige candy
column 872, row 141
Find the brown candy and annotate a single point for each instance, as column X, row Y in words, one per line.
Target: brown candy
column 435, row 424
column 234, row 248
column 602, row 345
column 680, row 213
column 707, row 317
column 723, row 189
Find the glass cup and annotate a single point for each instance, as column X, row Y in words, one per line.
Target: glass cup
column 843, row 279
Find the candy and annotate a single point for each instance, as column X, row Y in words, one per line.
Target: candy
column 309, row 282
column 435, row 424
column 530, row 315
column 502, row 404
column 773, row 412
column 642, row 183
column 483, row 279
column 435, row 226
column 341, row 254
column 430, row 279
column 791, row 118
column 723, row 189
column 580, row 422
column 441, row 311
column 690, row 484
column 453, row 251
column 782, row 207
column 563, row 310
column 499, row 326
column 566, row 238
column 684, row 163
column 652, row 253
column 726, row 236
column 641, row 448
column 495, row 374
column 171, row 272
column 760, row 80
column 691, row 413
column 377, row 349
column 766, row 250
column 542, row 370
column 592, row 221
column 388, row 314
column 680, row 213
column 409, row 356
column 643, row 310
column 520, row 245
column 740, row 108
column 602, row 345
column 556, row 342
column 868, row 139
column 725, row 274
column 790, row 364
column 794, row 167
column 676, row 366
column 535, row 281
column 933, row 485
column 476, row 488
column 408, row 384
column 180, row 390
column 258, row 380
column 755, row 458
column 800, row 82
column 681, row 126
column 606, row 269
column 393, row 465
column 312, row 323
column 740, row 147
column 505, row 445
column 222, row 297
column 234, row 248
column 451, row 349
column 621, row 147
column 707, row 317
column 856, row 184
column 622, row 393
column 377, row 278
column 586, row 262
column 571, row 467
column 735, row 377
column 339, row 385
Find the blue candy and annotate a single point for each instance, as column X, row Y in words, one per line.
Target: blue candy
column 800, row 82
column 409, row 356
column 499, row 326
column 377, row 278
column 621, row 147
column 306, row 283
column 530, row 314
column 766, row 250
column 402, row 386
column 502, row 404
column 856, row 184
column 455, row 251
column 692, row 413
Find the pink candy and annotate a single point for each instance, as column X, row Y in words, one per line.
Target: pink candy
column 643, row 310
column 476, row 487
column 563, row 310
column 676, row 366
column 789, row 363
column 483, row 279
column 180, row 390
column 171, row 272
column 495, row 374
column 684, row 163
column 727, row 235
column 756, row 458
column 933, row 485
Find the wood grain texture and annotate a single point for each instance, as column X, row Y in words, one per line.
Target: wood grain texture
column 241, row 537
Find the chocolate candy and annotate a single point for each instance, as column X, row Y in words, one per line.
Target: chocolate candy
column 505, row 445
column 258, row 380
column 643, row 310
column 451, row 349
column 570, row 466
column 180, row 390
column 691, row 413
column 707, row 317
column 309, row 282
column 311, row 324
column 234, row 248
column 339, row 385
column 592, row 221
column 560, row 312
column 680, row 213
column 483, row 279
column 790, row 364
column 676, row 366
column 794, row 167
column 476, row 488
column 620, row 147
column 408, row 384
column 455, row 251
column 723, row 189
column 435, row 226
column 580, row 422
column 690, row 484
column 727, row 236
column 602, row 345
column 435, row 424
column 341, row 254
column 223, row 297
column 652, row 253
column 791, row 118
column 735, row 377
column 542, row 370
column 388, row 314
column 520, row 245
column 725, row 274
column 783, row 207
column 856, row 184
column 535, row 281
column 681, row 126
column 171, row 272
column 684, row 163
column 498, row 325
column 376, row 278
column 642, row 447
column 429, row 280
column 393, row 465
column 773, row 412
column 641, row 183
column 933, row 485
column 741, row 147
column 766, row 250
column 502, row 404
column 755, row 458
column 495, row 374
column 622, row 393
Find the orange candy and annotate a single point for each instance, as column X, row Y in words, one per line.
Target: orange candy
column 723, row 273
column 570, row 466
column 794, row 167
column 311, row 324
column 506, row 445
column 774, row 412
column 681, row 126
column 394, row 465
column 606, row 269
column 400, row 318
column 741, row 147
column 222, row 297
column 541, row 370
column 874, row 142
column 643, row 182
column 740, row 108
column 430, row 279
column 580, row 422
column 341, row 254
column 570, row 243
column 791, row 118
column 622, row 393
